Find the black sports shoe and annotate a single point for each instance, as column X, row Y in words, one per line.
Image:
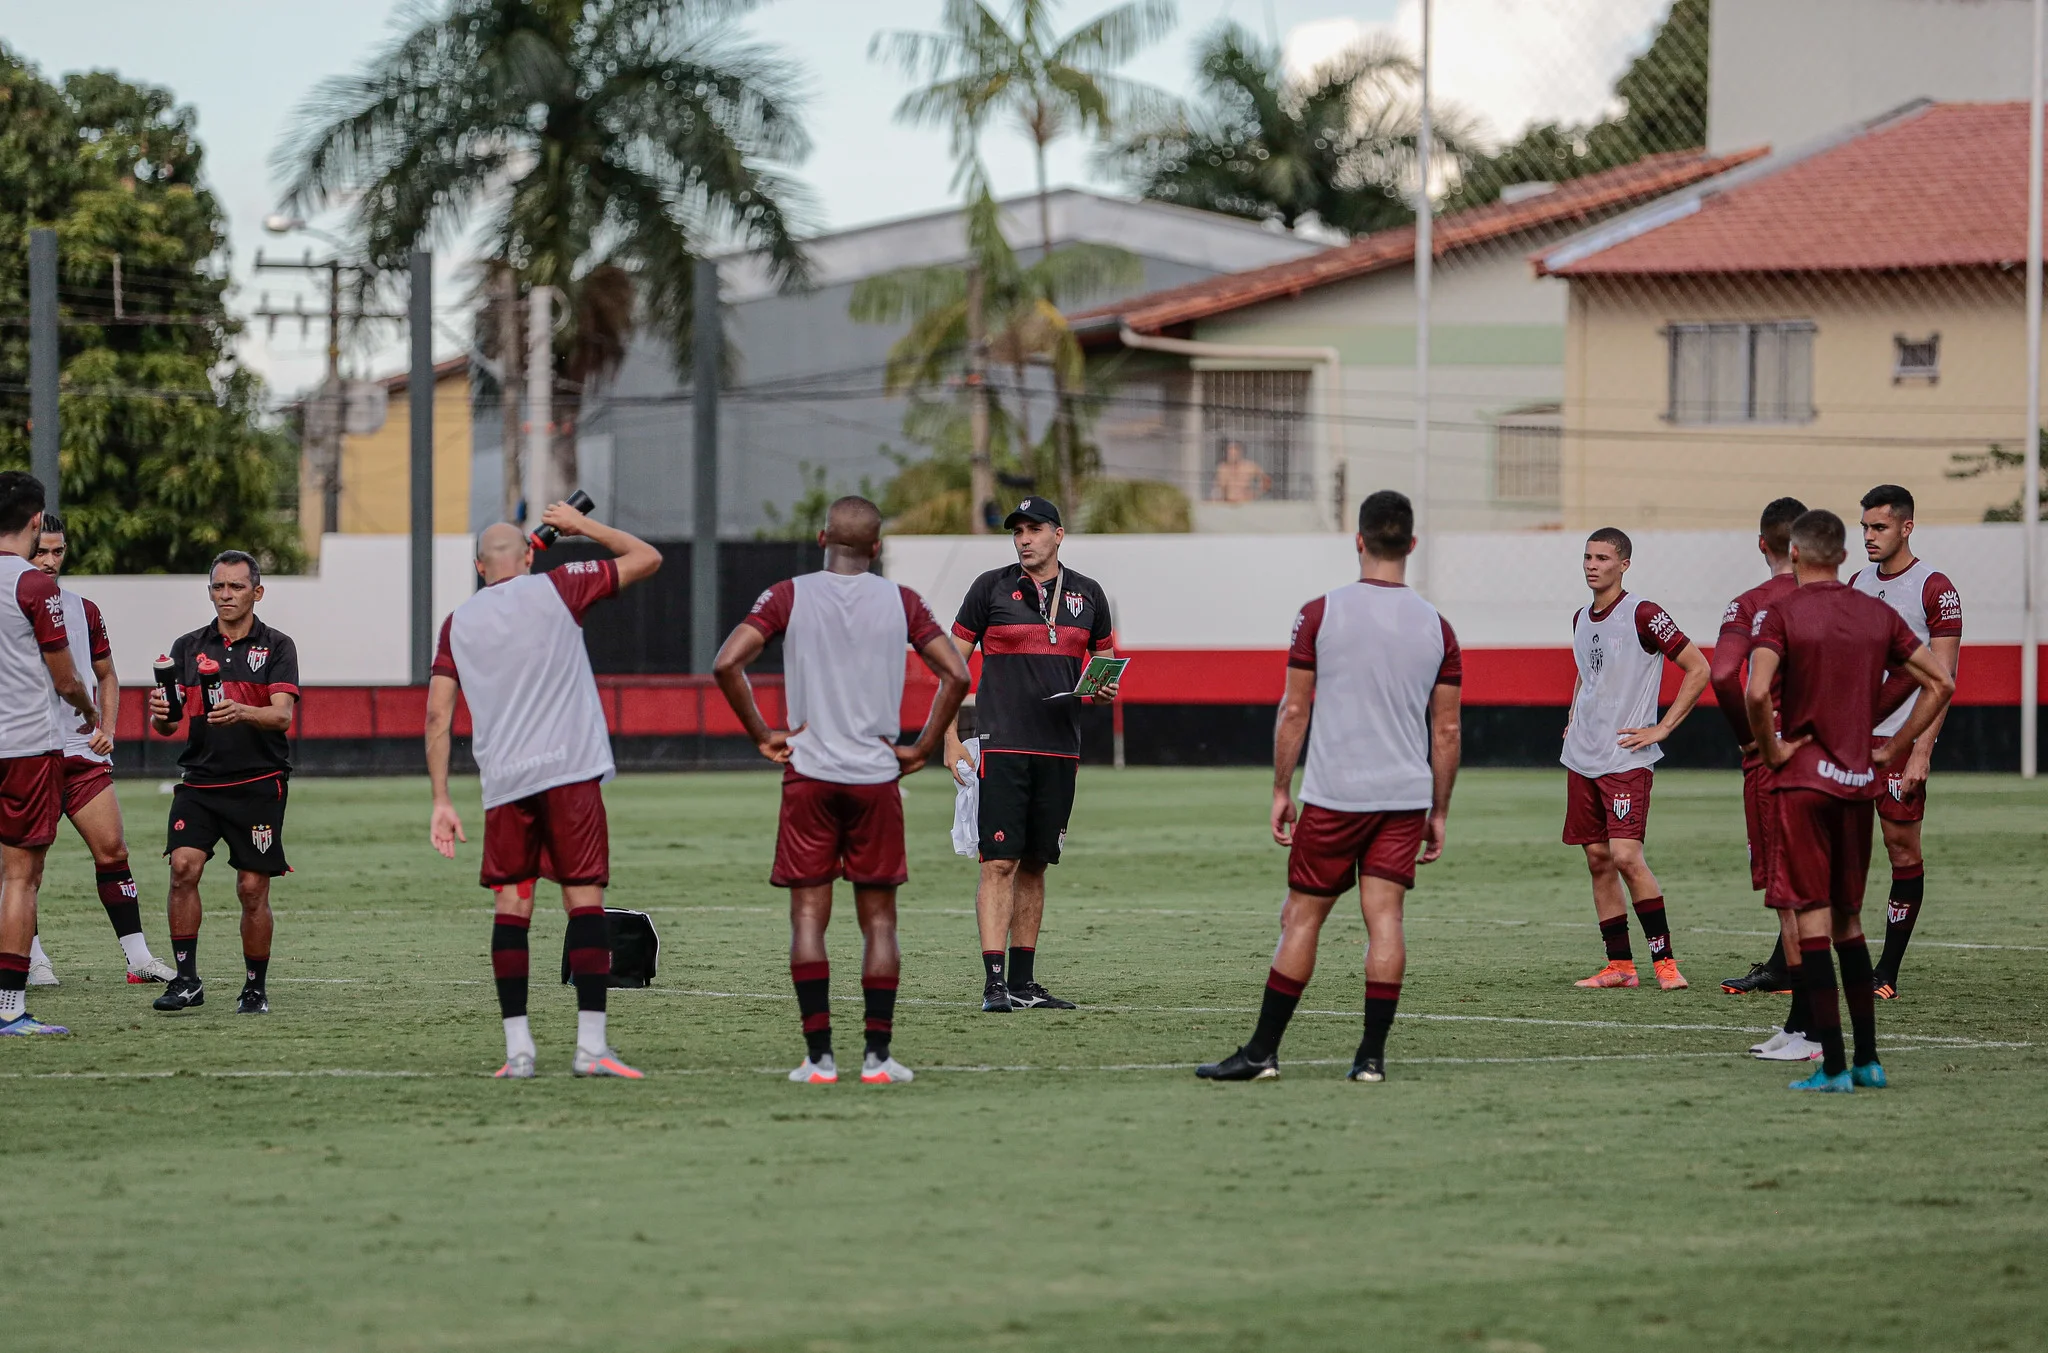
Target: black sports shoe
column 1240, row 1066
column 1032, row 996
column 1369, row 1069
column 1884, row 985
column 182, row 993
column 252, row 1002
column 995, row 997
column 1762, row 977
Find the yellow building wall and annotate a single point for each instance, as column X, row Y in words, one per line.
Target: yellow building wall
column 376, row 488
column 1627, row 464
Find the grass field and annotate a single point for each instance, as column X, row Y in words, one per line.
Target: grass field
column 1547, row 1168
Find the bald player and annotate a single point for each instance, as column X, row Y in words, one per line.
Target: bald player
column 515, row 648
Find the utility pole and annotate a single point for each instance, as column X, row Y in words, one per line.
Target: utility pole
column 420, row 387
column 1425, row 262
column 45, row 362
column 511, row 388
column 2030, row 487
column 981, row 472
column 706, row 359
column 539, row 486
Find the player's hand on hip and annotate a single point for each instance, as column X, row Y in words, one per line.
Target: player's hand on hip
column 101, row 742
column 1889, row 753
column 1776, row 751
column 445, row 829
column 776, row 748
column 1635, row 739
column 1283, row 817
column 909, row 760
column 1433, row 828
column 956, row 756
column 564, row 518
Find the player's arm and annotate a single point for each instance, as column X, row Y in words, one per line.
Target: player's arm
column 1290, row 731
column 968, row 627
column 70, row 687
column 1756, row 701
column 741, row 647
column 1724, row 674
column 1937, row 688
column 1693, row 664
column 1948, row 651
column 942, row 655
column 634, row 558
column 1446, row 745
column 444, row 827
column 275, row 717
column 102, row 740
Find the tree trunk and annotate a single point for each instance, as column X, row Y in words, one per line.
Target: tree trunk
column 1044, row 206
column 981, row 477
column 1065, row 449
column 511, row 389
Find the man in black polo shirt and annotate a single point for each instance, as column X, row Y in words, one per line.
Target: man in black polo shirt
column 240, row 680
column 1036, row 623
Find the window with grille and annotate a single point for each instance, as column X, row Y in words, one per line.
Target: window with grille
column 1266, row 413
column 1528, row 455
column 1916, row 359
column 1741, row 373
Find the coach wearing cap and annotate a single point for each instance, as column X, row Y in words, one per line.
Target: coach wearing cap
column 1037, row 623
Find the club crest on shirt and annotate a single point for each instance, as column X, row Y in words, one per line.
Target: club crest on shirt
column 1622, row 804
column 1596, row 656
column 1074, row 603
column 256, row 658
column 261, row 837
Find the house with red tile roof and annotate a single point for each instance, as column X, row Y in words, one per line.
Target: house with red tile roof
column 1813, row 323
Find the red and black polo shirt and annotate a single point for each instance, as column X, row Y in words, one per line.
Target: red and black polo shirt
column 253, row 668
column 1006, row 612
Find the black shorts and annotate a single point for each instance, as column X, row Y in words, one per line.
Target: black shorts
column 1026, row 800
column 250, row 818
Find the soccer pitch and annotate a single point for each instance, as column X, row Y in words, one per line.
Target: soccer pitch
column 1546, row 1168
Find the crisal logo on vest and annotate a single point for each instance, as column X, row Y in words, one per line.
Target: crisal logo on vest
column 1853, row 779
column 256, row 657
column 1622, row 804
column 1074, row 604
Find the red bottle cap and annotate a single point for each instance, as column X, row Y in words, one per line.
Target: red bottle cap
column 208, row 667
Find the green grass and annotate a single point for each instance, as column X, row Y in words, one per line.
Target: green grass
column 1052, row 1181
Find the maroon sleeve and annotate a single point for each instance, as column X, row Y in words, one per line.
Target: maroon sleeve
column 584, row 583
column 920, row 623
column 771, row 609
column 1658, row 631
column 444, row 655
column 36, row 593
column 1735, row 622
column 1450, row 672
column 1768, row 630
column 1903, row 644
column 1301, row 649
column 98, row 644
column 1944, row 607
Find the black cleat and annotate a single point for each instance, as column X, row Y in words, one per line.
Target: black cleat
column 252, row 1002
column 1762, row 978
column 1371, row 1070
column 995, row 997
column 1032, row 996
column 1240, row 1066
column 182, row 993
column 1884, row 985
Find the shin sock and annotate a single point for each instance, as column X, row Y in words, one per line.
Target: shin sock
column 510, row 962
column 1380, row 1000
column 1823, row 1010
column 1856, row 994
column 1776, row 962
column 185, row 948
column 590, row 968
column 35, row 949
column 992, row 965
column 1614, row 934
column 120, row 897
column 814, row 1003
column 1021, row 965
column 255, row 971
column 1283, row 993
column 1900, row 914
column 879, row 996
column 1656, row 929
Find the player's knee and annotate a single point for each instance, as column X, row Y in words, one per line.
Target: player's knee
column 253, row 891
column 1600, row 860
column 186, row 867
column 1001, row 869
column 116, row 858
column 1031, row 864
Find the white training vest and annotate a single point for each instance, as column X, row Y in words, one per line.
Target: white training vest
column 1378, row 653
column 533, row 705
column 1904, row 594
column 843, row 676
column 1617, row 689
column 76, row 743
column 28, row 725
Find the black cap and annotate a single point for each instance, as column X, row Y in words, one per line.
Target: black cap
column 1033, row 509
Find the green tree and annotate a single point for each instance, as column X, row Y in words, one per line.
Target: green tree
column 1997, row 458
column 1338, row 146
column 165, row 457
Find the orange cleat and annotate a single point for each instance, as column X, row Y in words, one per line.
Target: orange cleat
column 1668, row 975
column 1619, row 972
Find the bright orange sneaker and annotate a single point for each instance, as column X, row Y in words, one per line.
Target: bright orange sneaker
column 1619, row 972
column 1668, row 975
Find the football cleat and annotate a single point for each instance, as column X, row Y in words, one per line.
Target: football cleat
column 605, row 1063
column 1241, row 1066
column 1762, row 978
column 252, row 1001
column 42, row 974
column 1368, row 1070
column 1821, row 1081
column 25, row 1024
column 884, row 1071
column 182, row 993
column 156, row 970
column 1669, row 978
column 1784, row 1047
column 1032, row 996
column 995, row 997
column 518, row 1067
column 1884, row 986
column 1870, row 1076
column 818, row 1071
column 1619, row 972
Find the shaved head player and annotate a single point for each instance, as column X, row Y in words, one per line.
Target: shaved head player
column 515, row 648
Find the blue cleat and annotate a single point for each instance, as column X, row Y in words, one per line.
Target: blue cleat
column 26, row 1024
column 1870, row 1076
column 1838, row 1084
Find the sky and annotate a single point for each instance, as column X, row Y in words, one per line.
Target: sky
column 245, row 65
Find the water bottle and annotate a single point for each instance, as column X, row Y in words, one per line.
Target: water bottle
column 167, row 681
column 546, row 536
column 209, row 683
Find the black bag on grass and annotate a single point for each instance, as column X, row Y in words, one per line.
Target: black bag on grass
column 636, row 949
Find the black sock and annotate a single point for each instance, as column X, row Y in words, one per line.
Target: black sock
column 1020, row 965
column 1614, row 934
column 118, row 895
column 1795, row 1014
column 992, row 959
column 1776, row 962
column 1656, row 929
column 878, row 994
column 1900, row 914
column 1283, row 993
column 1823, row 1009
column 185, row 948
column 1380, row 1000
column 814, row 1003
column 590, row 957
column 509, row 962
column 1856, row 994
column 254, row 970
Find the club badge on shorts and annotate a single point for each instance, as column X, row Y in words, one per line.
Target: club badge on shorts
column 1622, row 803
column 256, row 658
column 261, row 837
column 1896, row 784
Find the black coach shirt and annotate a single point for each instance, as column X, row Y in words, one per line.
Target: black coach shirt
column 252, row 669
column 1021, row 663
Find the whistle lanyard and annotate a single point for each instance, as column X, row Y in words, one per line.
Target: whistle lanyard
column 1052, row 608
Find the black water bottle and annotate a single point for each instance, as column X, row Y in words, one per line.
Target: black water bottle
column 209, row 685
column 546, row 536
column 167, row 681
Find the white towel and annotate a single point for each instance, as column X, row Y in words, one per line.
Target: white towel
column 967, row 803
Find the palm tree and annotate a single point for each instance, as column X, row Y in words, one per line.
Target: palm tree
column 1338, row 146
column 604, row 144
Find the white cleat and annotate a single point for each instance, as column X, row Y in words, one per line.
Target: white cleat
column 1784, row 1047
column 823, row 1071
column 41, row 974
column 606, row 1063
column 884, row 1071
column 518, row 1067
column 156, row 970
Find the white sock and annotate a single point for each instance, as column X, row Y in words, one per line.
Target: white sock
column 518, row 1037
column 590, row 1032
column 35, row 951
column 137, row 949
column 11, row 1005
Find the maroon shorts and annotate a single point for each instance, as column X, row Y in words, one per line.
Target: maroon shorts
column 1823, row 851
column 84, row 781
column 831, row 831
column 1760, row 816
column 1606, row 808
column 1331, row 849
column 31, row 799
column 558, row 834
column 1893, row 805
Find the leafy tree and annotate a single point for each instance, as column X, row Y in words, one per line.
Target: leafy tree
column 1338, row 146
column 1995, row 459
column 165, row 460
